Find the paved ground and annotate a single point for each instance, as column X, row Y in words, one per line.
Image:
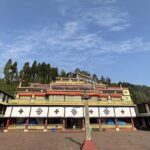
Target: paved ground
column 73, row 141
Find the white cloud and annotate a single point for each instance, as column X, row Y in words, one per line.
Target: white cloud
column 75, row 42
column 68, row 46
column 97, row 12
column 120, row 28
column 111, row 18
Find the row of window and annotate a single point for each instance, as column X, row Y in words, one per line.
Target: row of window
column 72, row 98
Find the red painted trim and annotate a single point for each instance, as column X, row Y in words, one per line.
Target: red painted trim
column 103, row 95
column 93, row 94
column 25, row 94
column 39, row 94
column 116, row 95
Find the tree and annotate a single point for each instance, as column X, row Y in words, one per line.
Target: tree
column 54, row 73
column 102, row 79
column 94, row 76
column 8, row 71
column 48, row 73
column 77, row 70
column 26, row 73
column 108, row 80
column 14, row 73
column 63, row 73
column 85, row 73
column 33, row 71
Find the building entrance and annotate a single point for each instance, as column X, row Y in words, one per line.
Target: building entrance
column 74, row 123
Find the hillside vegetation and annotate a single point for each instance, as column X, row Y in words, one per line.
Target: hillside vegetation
column 45, row 73
column 139, row 93
column 10, row 88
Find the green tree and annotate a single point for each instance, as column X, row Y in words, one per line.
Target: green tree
column 77, row 70
column 95, row 78
column 63, row 73
column 26, row 73
column 48, row 73
column 8, row 71
column 14, row 73
column 108, row 81
column 102, row 79
column 34, row 71
column 54, row 73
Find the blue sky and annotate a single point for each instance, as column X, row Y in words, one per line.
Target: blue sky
column 106, row 37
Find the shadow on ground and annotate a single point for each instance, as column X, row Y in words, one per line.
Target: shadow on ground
column 74, row 141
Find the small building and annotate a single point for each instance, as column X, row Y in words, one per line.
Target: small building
column 143, row 115
column 4, row 98
column 60, row 106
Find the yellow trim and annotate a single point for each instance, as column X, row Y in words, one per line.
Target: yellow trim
column 68, row 103
column 16, row 127
column 36, row 127
column 95, row 126
column 56, row 126
column 108, row 126
column 3, row 103
column 125, row 126
column 69, row 83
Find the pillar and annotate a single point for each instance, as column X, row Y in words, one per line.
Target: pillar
column 133, row 125
column 99, row 121
column 148, row 120
column 32, row 98
column 147, row 108
column 74, row 123
column 45, row 125
column 64, row 123
column 7, row 125
column 26, row 125
column 3, row 110
column 83, row 124
column 117, row 127
column 87, row 121
column 143, row 122
column 17, row 96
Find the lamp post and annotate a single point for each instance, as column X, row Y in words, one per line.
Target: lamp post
column 88, row 144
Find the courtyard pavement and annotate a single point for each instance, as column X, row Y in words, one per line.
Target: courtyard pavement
column 109, row 140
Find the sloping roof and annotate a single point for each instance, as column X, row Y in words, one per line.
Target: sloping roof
column 7, row 93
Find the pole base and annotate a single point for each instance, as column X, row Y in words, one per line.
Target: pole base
column 63, row 129
column 89, row 145
column 117, row 129
column 44, row 130
column 134, row 129
column 25, row 130
column 5, row 130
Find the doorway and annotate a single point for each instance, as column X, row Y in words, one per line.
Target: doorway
column 74, row 123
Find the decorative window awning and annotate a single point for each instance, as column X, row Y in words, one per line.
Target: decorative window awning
column 20, row 112
column 39, row 112
column 106, row 112
column 55, row 112
column 74, row 112
column 68, row 112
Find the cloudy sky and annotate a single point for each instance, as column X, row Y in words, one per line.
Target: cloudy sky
column 106, row 37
